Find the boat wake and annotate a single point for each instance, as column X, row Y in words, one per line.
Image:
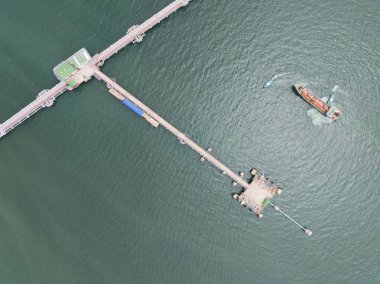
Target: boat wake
column 270, row 82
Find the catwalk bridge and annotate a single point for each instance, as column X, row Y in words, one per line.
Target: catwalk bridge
column 81, row 67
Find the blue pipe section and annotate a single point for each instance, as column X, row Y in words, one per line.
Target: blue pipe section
column 133, row 107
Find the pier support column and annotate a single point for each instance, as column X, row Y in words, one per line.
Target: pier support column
column 137, row 38
column 49, row 101
column 2, row 131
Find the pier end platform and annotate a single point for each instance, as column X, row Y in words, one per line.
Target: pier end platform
column 258, row 194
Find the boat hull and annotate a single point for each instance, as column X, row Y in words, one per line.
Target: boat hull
column 316, row 102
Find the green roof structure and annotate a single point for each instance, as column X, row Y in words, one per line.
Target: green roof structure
column 70, row 66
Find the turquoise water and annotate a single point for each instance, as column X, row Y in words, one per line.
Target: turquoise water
column 91, row 194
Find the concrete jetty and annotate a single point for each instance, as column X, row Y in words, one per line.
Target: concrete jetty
column 82, row 67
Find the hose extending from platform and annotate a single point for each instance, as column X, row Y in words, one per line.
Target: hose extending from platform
column 307, row 231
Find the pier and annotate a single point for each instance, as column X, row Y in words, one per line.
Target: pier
column 44, row 99
column 136, row 33
column 181, row 136
column 81, row 67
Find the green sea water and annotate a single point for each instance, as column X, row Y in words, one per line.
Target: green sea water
column 90, row 193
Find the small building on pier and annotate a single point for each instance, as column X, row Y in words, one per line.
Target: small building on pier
column 76, row 69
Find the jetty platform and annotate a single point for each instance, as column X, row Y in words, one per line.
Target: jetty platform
column 259, row 193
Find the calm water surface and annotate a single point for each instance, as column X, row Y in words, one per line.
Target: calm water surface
column 91, row 194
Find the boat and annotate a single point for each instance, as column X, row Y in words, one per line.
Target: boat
column 326, row 109
column 270, row 82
